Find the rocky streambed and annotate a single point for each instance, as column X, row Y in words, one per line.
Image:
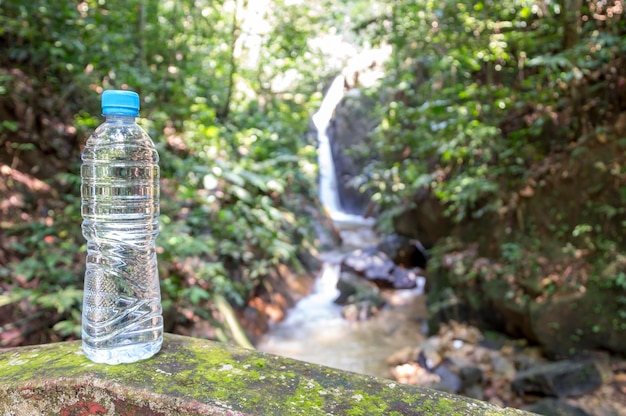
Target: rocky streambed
column 368, row 314
column 488, row 366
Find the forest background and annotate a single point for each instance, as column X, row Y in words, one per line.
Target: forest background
column 502, row 130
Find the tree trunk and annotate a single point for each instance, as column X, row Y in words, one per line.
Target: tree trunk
column 571, row 15
column 141, row 30
column 225, row 110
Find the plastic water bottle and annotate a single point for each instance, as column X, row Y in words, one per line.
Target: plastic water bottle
column 122, row 316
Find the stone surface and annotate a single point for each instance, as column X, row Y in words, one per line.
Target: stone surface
column 554, row 407
column 424, row 220
column 470, row 376
column 353, row 288
column 449, row 380
column 371, row 264
column 360, row 298
column 360, row 311
column 562, row 378
column 197, row 377
column 466, row 287
column 377, row 267
column 405, row 278
column 580, row 321
column 404, row 251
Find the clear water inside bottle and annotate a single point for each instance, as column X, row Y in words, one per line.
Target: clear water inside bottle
column 122, row 317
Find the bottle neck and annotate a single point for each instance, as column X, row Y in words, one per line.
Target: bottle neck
column 120, row 118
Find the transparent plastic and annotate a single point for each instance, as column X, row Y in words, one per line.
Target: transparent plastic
column 122, row 317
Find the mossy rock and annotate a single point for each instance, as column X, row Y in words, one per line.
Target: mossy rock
column 589, row 320
column 196, row 377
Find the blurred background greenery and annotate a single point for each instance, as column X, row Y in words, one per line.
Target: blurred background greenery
column 485, row 106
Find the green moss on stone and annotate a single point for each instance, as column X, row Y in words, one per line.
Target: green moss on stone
column 365, row 404
column 194, row 376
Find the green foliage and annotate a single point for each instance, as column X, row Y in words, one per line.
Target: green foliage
column 476, row 89
column 476, row 93
column 46, row 277
column 511, row 252
column 227, row 100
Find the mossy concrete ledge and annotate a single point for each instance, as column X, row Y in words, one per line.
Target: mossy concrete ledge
column 198, row 377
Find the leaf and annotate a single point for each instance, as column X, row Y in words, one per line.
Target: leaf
column 241, row 193
column 9, row 125
column 525, row 12
column 551, row 61
column 196, row 294
column 14, row 296
column 255, row 179
column 233, row 177
column 63, row 300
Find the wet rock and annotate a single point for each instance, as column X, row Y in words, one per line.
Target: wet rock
column 471, row 375
column 493, row 340
column 529, row 358
column 360, row 311
column 404, row 251
column 370, row 263
column 554, row 407
column 353, row 288
column 562, row 378
column 429, row 356
column 381, row 273
column 402, row 356
column 503, row 366
column 474, row 391
column 405, row 279
column 449, row 380
column 472, row 378
column 458, row 362
column 361, row 299
column 378, row 268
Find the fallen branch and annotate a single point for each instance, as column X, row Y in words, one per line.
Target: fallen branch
column 239, row 336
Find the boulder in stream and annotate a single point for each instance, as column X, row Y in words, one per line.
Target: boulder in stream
column 361, row 299
column 404, row 251
column 377, row 267
column 360, row 311
column 449, row 381
column 560, row 379
column 471, row 375
column 353, row 289
column 554, row 407
column 369, row 263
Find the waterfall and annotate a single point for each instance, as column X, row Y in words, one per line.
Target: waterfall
column 314, row 329
column 328, row 193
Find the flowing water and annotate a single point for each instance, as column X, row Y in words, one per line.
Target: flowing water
column 314, row 330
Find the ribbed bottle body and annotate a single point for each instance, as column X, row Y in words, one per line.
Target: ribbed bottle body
column 122, row 318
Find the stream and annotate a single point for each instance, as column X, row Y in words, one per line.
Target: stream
column 314, row 329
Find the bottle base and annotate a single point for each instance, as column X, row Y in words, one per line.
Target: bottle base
column 122, row 355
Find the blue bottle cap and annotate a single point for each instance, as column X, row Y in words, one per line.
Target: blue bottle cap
column 120, row 102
